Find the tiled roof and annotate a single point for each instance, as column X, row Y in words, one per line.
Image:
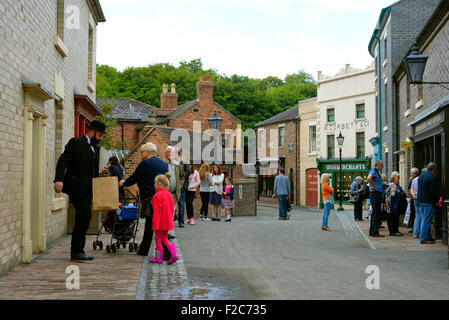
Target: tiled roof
column 129, row 109
column 287, row 115
column 183, row 108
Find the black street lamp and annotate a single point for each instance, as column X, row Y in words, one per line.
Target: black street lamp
column 340, row 140
column 215, row 124
column 415, row 64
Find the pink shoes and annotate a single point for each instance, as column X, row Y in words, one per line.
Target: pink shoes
column 173, row 253
column 158, row 256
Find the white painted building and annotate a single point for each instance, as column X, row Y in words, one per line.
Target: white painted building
column 346, row 104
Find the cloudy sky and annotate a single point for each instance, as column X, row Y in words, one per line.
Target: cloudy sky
column 256, row 38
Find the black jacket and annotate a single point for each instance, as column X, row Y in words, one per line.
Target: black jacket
column 428, row 188
column 77, row 166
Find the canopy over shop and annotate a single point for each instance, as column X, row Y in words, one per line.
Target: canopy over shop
column 351, row 168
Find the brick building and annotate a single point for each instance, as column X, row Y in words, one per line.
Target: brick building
column 396, row 30
column 277, row 143
column 422, row 110
column 133, row 115
column 47, row 94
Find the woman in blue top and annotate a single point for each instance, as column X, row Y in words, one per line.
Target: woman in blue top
column 394, row 203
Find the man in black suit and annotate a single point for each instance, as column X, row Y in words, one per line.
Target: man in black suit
column 76, row 168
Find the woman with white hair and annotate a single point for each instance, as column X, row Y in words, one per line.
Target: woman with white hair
column 357, row 199
column 144, row 175
column 394, row 204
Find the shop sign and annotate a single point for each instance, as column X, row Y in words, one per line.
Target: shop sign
column 406, row 145
column 429, row 122
column 291, row 147
column 346, row 167
column 347, row 126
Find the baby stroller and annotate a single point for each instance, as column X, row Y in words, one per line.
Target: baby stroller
column 123, row 225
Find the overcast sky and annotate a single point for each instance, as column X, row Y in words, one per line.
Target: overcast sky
column 256, row 38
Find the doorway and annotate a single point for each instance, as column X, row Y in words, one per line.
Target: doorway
column 312, row 187
column 34, row 238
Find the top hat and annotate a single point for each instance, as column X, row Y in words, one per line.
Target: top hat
column 97, row 125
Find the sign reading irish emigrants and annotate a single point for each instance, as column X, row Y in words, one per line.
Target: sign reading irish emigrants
column 347, row 126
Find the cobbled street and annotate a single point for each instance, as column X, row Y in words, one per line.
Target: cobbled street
column 264, row 258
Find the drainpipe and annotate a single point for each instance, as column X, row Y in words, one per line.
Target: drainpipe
column 121, row 123
column 379, row 110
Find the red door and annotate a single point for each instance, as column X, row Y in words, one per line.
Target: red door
column 312, row 188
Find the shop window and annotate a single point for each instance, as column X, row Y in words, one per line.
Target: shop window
column 330, row 146
column 312, row 136
column 281, row 136
column 331, row 115
column 266, row 185
column 360, row 111
column 360, row 142
column 261, row 139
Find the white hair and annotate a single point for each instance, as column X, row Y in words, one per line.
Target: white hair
column 358, row 179
column 170, row 148
column 415, row 171
column 151, row 147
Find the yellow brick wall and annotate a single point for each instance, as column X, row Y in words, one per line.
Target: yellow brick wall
column 27, row 31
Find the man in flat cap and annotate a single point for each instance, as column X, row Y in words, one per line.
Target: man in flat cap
column 76, row 168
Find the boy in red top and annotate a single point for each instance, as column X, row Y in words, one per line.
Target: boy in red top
column 163, row 208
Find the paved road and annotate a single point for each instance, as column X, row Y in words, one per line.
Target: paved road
column 264, row 258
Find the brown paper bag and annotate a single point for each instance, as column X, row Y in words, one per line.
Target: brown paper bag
column 105, row 194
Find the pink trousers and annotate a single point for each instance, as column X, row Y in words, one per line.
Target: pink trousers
column 162, row 237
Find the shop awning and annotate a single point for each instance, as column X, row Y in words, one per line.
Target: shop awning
column 429, row 111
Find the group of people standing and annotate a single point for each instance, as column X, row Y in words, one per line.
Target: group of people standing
column 164, row 186
column 388, row 201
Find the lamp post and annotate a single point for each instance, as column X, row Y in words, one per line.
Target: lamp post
column 415, row 64
column 340, row 140
column 215, row 124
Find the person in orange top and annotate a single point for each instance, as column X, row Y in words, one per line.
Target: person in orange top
column 327, row 196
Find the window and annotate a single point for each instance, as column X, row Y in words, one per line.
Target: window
column 408, row 94
column 261, row 139
column 360, row 111
column 330, row 115
column 386, row 103
column 385, row 48
column 360, row 142
column 420, row 92
column 281, row 136
column 331, row 147
column 60, row 19
column 90, row 58
column 312, row 137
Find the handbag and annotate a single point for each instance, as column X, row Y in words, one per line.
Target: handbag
column 407, row 215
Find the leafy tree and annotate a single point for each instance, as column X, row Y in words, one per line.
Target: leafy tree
column 251, row 100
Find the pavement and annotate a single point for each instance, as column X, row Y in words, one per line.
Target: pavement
column 253, row 258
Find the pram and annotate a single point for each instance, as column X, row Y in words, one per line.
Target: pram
column 123, row 225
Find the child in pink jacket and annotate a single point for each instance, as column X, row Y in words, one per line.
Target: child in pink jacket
column 163, row 208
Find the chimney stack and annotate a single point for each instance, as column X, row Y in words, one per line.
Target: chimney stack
column 169, row 100
column 205, row 89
